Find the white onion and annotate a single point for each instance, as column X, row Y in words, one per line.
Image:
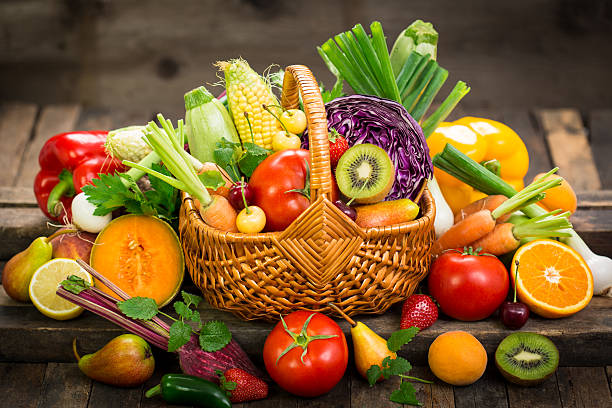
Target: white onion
column 83, row 217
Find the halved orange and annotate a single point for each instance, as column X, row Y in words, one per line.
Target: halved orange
column 553, row 279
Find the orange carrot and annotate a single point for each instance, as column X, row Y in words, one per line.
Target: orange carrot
column 219, row 214
column 486, row 203
column 466, row 231
column 499, row 241
column 224, row 189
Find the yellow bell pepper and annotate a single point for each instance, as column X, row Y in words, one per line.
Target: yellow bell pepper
column 482, row 140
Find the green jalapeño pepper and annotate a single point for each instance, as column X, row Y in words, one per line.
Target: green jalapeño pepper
column 185, row 389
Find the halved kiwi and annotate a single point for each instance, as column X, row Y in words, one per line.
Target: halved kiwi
column 365, row 172
column 526, row 358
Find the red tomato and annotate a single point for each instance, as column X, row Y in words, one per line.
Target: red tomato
column 468, row 287
column 324, row 362
column 273, row 178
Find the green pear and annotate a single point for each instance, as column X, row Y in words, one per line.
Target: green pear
column 125, row 361
column 18, row 271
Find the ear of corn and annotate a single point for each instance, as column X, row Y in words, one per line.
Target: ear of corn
column 246, row 92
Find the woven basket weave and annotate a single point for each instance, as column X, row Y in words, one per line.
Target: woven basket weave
column 321, row 257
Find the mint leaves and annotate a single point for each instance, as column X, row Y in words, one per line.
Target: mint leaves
column 398, row 366
column 213, row 335
column 138, row 307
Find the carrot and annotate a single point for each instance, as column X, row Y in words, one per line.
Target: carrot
column 219, row 214
column 499, row 241
column 224, row 189
column 470, row 229
column 490, row 203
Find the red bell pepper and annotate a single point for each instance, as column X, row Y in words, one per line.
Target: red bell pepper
column 68, row 161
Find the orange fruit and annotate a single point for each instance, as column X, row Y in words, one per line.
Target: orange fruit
column 457, row 358
column 553, row 279
column 562, row 196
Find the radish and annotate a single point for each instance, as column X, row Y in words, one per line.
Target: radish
column 83, row 215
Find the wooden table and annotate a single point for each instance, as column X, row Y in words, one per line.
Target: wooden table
column 36, row 363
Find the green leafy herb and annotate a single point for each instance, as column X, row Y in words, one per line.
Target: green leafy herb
column 75, row 284
column 405, row 395
column 252, row 156
column 112, row 192
column 401, row 337
column 139, row 307
column 212, row 179
column 245, row 161
column 395, row 366
column 180, row 333
column 214, row 336
column 398, row 366
column 190, row 299
column 183, row 310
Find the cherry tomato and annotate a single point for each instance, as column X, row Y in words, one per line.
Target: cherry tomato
column 251, row 220
column 282, row 140
column 294, row 120
column 468, row 286
column 316, row 364
column 272, row 181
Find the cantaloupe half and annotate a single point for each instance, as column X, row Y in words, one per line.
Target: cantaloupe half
column 140, row 254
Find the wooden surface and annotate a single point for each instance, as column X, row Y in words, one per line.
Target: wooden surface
column 128, row 55
column 36, row 363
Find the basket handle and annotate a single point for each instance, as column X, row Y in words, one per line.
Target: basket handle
column 298, row 79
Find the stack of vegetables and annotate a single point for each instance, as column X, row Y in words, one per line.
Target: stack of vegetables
column 244, row 160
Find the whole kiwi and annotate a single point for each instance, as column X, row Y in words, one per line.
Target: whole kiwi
column 526, row 358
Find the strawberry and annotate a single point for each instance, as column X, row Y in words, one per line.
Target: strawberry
column 242, row 386
column 337, row 146
column 419, row 311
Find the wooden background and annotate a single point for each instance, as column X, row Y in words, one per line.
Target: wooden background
column 138, row 55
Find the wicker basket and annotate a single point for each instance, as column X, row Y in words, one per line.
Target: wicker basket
column 321, row 257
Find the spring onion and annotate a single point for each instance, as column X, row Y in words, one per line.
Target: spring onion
column 470, row 172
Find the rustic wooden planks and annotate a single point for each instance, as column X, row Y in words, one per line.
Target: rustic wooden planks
column 21, row 384
column 16, row 123
column 106, row 396
column 65, row 386
column 569, row 147
column 53, row 119
column 17, row 197
column 546, row 395
column 583, row 387
column 489, row 391
column 600, row 125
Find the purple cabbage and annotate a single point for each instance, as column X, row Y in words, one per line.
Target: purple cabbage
column 385, row 123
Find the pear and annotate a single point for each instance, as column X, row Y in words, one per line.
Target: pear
column 18, row 271
column 369, row 348
column 125, row 361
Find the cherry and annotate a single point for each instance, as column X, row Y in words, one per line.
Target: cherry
column 347, row 210
column 514, row 314
column 235, row 195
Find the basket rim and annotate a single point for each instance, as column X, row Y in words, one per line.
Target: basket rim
column 194, row 217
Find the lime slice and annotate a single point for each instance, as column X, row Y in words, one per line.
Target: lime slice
column 44, row 283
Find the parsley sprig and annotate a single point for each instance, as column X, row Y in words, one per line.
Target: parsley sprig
column 213, row 335
column 111, row 192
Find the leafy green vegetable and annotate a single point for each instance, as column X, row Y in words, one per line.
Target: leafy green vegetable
column 180, row 333
column 405, row 395
column 139, row 307
column 214, row 336
column 401, row 337
column 418, row 36
column 75, row 284
column 248, row 158
column 398, row 366
column 112, row 192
